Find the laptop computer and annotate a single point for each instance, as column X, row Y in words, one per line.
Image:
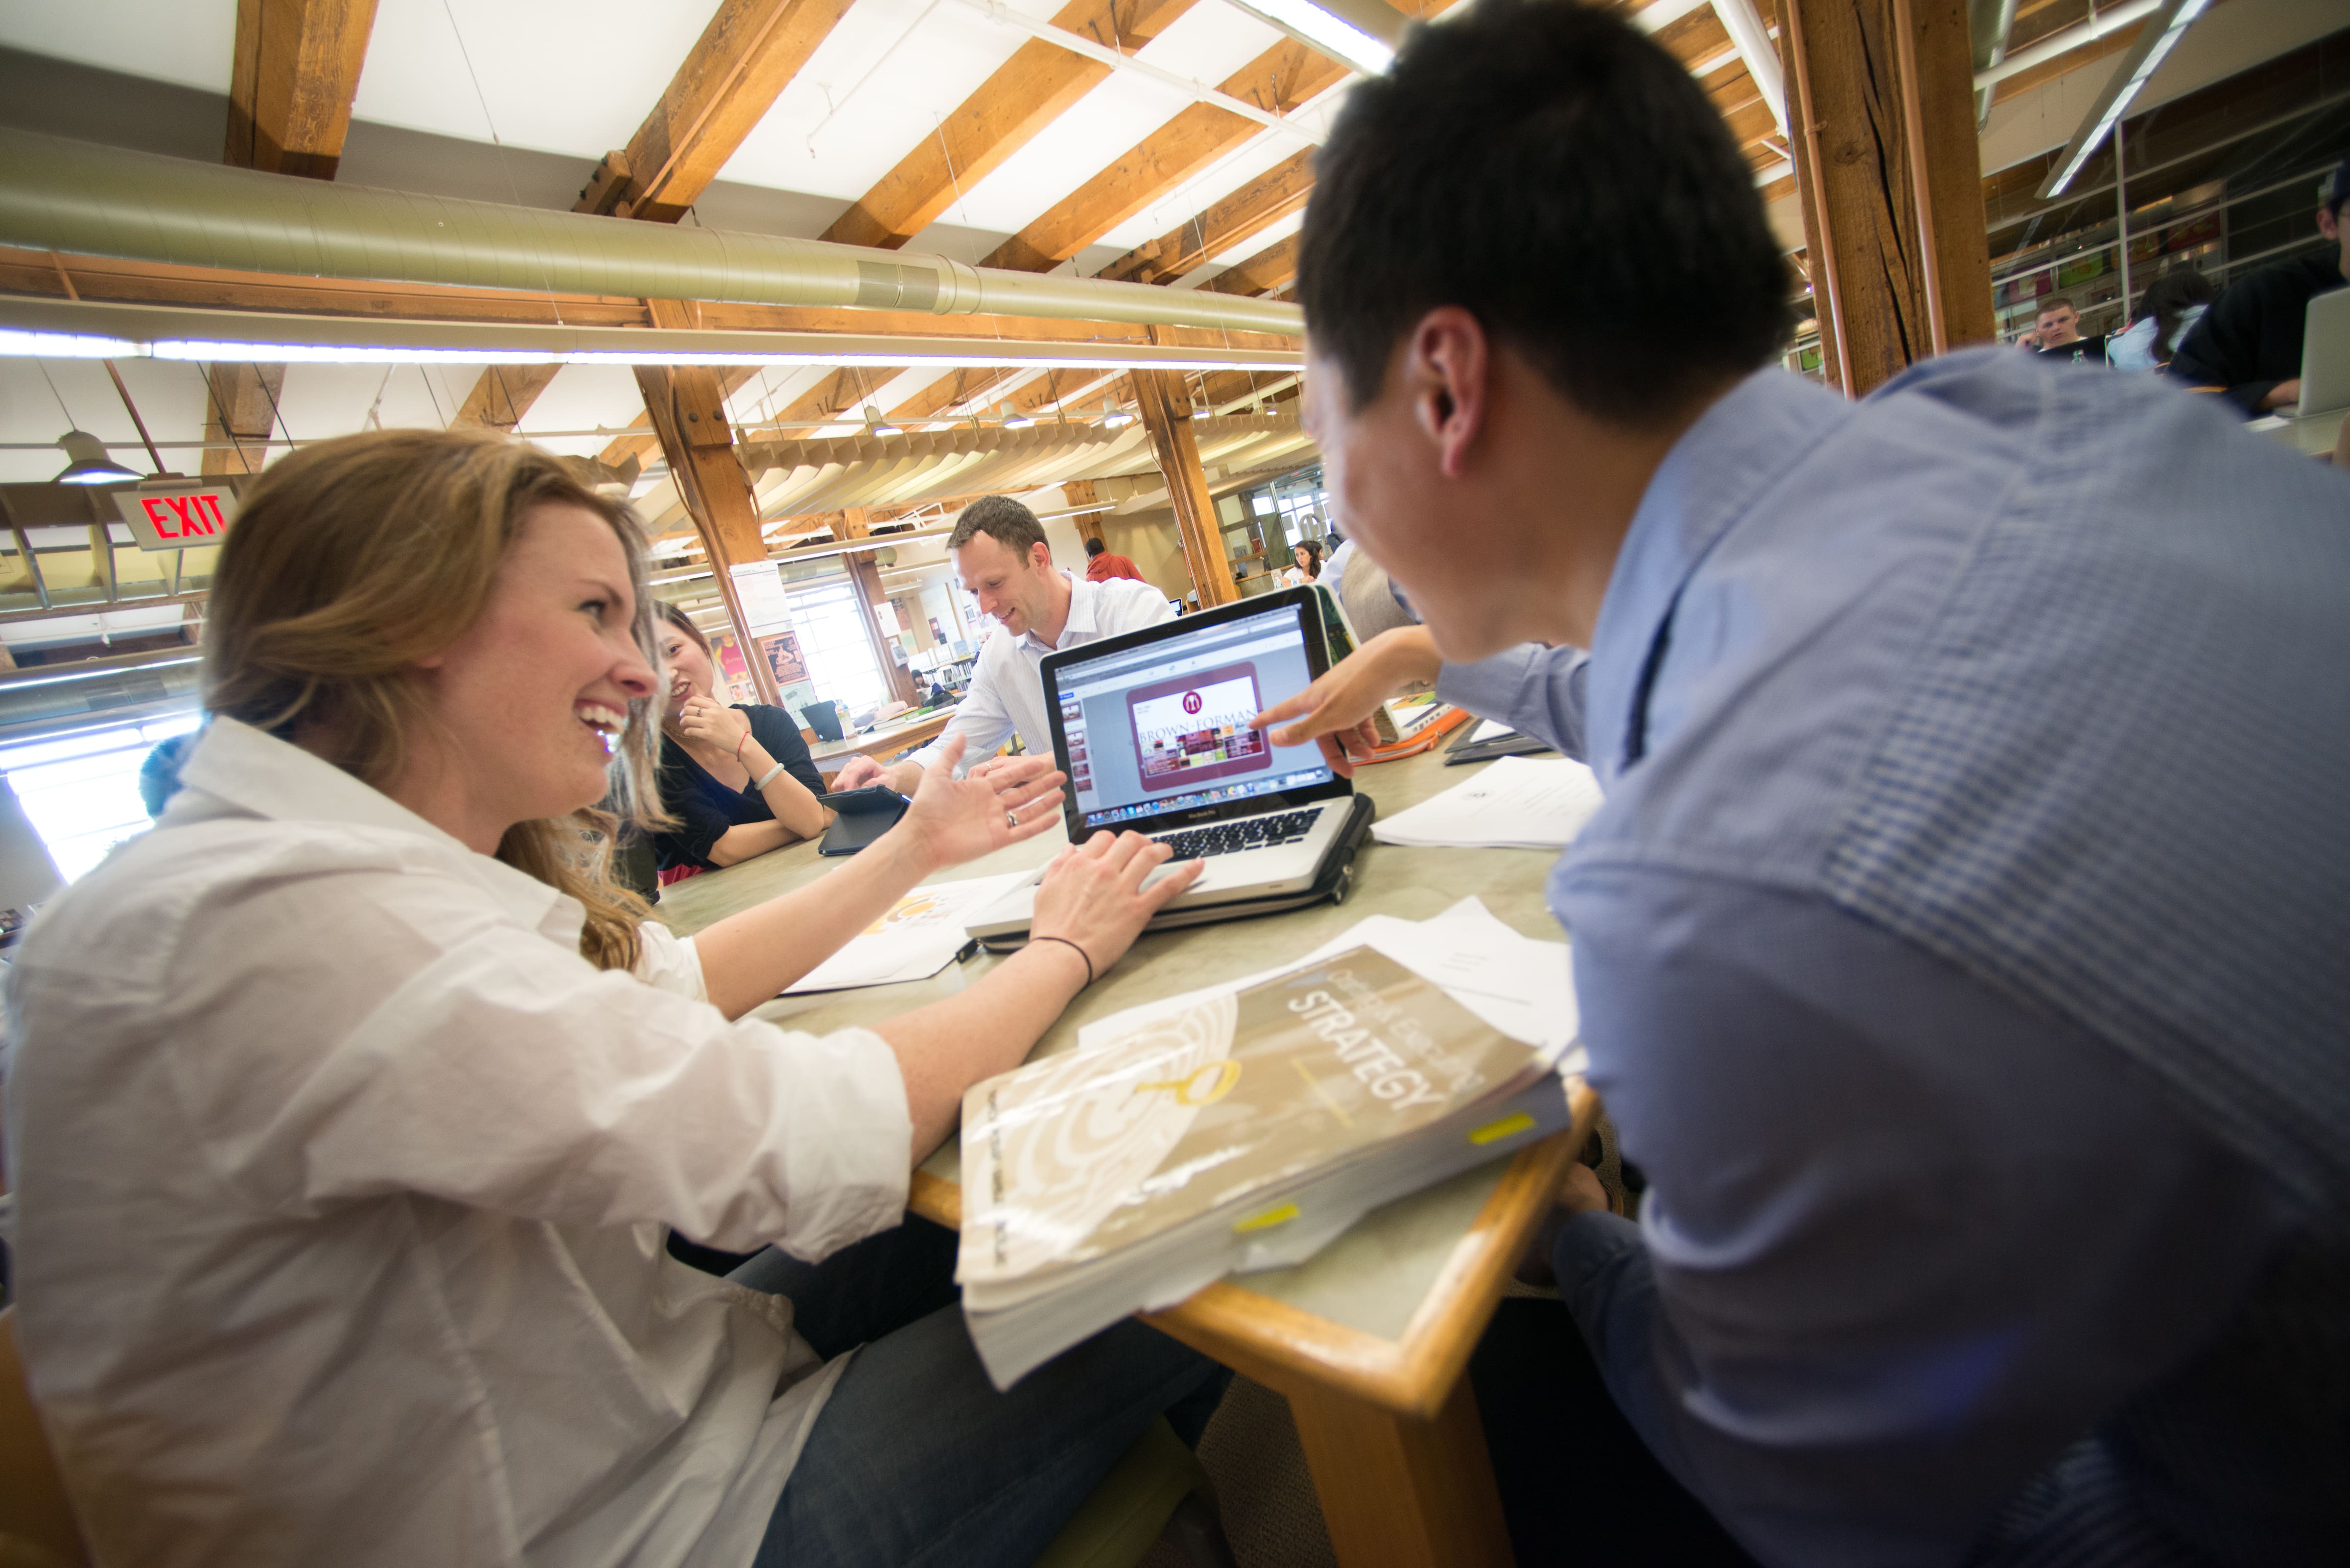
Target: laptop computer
column 2325, row 354
column 1151, row 728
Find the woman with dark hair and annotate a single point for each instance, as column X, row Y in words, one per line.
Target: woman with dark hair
column 738, row 779
column 1307, row 552
column 2171, row 305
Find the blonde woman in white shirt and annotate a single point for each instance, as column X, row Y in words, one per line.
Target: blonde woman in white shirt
column 349, row 1110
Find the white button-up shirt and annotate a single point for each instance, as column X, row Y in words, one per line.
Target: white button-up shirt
column 342, row 1184
column 1007, row 685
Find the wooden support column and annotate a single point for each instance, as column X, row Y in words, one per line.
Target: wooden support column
column 864, row 576
column 1166, row 417
column 688, row 409
column 1882, row 96
column 241, row 406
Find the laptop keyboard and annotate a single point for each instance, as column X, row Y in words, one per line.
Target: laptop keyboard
column 1231, row 837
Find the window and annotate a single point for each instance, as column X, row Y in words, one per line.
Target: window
column 833, row 641
column 81, row 792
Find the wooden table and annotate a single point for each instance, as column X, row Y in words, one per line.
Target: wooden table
column 881, row 744
column 1367, row 1340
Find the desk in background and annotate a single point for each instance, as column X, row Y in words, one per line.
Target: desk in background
column 1370, row 1339
column 881, row 744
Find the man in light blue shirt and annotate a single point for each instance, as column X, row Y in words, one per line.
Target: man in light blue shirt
column 1964, row 950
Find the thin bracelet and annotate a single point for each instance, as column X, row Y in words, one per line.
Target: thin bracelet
column 1073, row 947
column 765, row 779
column 738, row 751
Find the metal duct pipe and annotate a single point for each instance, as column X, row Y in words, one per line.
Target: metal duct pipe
column 1988, row 24
column 76, row 197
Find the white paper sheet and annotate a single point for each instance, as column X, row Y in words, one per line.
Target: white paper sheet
column 919, row 937
column 1515, row 803
column 1490, row 730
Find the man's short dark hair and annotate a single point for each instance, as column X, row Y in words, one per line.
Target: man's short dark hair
column 1095, row 546
column 1002, row 519
column 1554, row 172
column 2055, row 302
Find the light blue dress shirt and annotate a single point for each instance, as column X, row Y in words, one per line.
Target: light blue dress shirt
column 1963, row 951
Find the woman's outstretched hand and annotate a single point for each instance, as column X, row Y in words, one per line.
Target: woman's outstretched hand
column 1093, row 895
column 954, row 820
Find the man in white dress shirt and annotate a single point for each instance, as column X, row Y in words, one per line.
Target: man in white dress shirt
column 1000, row 552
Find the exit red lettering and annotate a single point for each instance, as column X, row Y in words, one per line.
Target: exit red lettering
column 198, row 515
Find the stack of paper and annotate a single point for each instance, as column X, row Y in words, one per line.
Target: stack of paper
column 1516, row 802
column 1248, row 1125
column 920, row 935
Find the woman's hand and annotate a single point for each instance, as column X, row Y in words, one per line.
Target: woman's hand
column 954, row 820
column 1093, row 896
column 706, row 722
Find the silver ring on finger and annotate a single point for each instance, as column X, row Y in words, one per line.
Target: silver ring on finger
column 1011, row 819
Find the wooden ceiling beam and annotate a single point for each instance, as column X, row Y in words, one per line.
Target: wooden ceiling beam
column 746, row 56
column 1269, row 269
column 949, row 392
column 1282, row 80
column 1247, row 212
column 292, row 78
column 1027, row 93
column 744, row 59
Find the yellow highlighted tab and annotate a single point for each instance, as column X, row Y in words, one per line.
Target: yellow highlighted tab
column 1269, row 1218
column 1508, row 1127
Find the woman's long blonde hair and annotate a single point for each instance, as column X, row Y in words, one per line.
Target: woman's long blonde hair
column 352, row 560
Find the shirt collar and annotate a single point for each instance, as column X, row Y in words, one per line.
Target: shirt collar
column 256, row 772
column 1738, row 449
column 1082, row 619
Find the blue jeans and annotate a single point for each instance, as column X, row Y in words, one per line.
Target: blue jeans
column 916, row 1458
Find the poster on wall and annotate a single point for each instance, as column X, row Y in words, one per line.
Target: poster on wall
column 740, row 688
column 783, row 652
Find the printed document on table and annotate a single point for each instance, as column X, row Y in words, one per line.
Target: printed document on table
column 1515, row 803
column 919, row 937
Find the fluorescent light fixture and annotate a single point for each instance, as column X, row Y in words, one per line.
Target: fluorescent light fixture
column 1014, row 419
column 2146, row 56
column 1353, row 32
column 874, row 425
column 39, row 328
column 90, row 465
column 17, row 344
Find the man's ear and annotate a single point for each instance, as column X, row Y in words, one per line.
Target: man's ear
column 2329, row 223
column 1446, row 372
column 1040, row 555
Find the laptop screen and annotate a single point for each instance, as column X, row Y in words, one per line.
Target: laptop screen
column 1164, row 727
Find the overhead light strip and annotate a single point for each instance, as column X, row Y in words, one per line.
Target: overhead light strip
column 2144, row 57
column 52, row 328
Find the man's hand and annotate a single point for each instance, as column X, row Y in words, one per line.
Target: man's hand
column 856, row 772
column 954, row 820
column 2283, row 395
column 1345, row 698
column 1092, row 894
column 1579, row 1193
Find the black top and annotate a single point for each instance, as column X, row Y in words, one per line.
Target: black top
column 2080, row 352
column 705, row 809
column 2251, row 338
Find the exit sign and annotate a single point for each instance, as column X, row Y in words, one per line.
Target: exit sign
column 178, row 513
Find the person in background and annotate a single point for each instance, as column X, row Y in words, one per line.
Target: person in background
column 1000, row 552
column 340, row 1193
column 1959, row 948
column 2249, row 343
column 158, row 771
column 1306, row 558
column 1101, row 565
column 737, row 780
column 2057, row 334
column 2168, row 310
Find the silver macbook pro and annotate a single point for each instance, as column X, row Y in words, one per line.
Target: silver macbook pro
column 1152, row 730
